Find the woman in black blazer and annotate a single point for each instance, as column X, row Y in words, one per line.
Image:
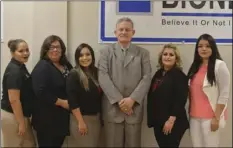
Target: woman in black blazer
column 167, row 98
column 50, row 117
column 84, row 98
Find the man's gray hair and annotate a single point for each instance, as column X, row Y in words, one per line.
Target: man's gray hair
column 125, row 19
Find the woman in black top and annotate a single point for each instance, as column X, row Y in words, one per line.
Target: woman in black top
column 16, row 103
column 50, row 116
column 167, row 98
column 84, row 97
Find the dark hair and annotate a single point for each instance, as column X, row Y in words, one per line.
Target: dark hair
column 197, row 61
column 78, row 52
column 13, row 44
column 80, row 70
column 45, row 48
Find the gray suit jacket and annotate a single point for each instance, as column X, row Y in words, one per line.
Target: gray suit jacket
column 122, row 77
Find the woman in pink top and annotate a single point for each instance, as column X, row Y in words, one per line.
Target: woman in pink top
column 209, row 93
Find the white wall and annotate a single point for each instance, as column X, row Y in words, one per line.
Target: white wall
column 33, row 22
column 17, row 23
column 77, row 22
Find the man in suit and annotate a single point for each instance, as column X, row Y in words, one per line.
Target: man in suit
column 125, row 76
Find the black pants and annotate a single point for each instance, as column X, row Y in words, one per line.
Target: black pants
column 170, row 140
column 45, row 140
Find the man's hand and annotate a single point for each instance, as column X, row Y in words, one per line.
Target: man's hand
column 127, row 111
column 126, row 105
column 127, row 102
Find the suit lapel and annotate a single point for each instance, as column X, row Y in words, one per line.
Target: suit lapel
column 131, row 53
column 118, row 53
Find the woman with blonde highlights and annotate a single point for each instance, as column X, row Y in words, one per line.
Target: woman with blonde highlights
column 84, row 98
column 167, row 98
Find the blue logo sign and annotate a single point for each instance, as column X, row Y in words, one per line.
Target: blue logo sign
column 138, row 7
column 134, row 6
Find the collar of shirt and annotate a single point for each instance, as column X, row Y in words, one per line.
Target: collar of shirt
column 21, row 65
column 125, row 49
column 17, row 62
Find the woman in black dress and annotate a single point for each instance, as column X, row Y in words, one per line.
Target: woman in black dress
column 51, row 114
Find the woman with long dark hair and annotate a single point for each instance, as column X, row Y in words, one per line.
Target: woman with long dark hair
column 209, row 93
column 84, row 97
column 51, row 114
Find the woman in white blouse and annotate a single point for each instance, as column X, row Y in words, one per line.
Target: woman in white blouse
column 209, row 93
